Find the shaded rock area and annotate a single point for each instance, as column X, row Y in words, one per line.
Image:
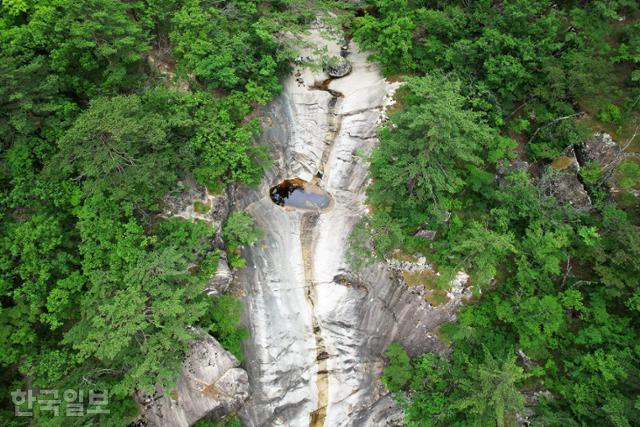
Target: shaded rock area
column 161, row 60
column 507, row 168
column 338, row 66
column 601, row 148
column 210, row 385
column 426, row 234
column 560, row 180
column 532, row 398
column 219, row 283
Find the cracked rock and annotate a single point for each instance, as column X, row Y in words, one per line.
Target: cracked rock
column 560, row 181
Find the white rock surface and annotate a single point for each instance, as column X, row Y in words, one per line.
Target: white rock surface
column 301, row 299
column 210, row 384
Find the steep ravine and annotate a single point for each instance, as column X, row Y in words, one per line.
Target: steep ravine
column 318, row 331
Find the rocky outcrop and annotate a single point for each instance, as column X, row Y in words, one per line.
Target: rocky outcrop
column 560, row 181
column 506, row 168
column 337, row 66
column 319, row 330
column 210, row 385
column 426, row 234
column 194, row 202
column 603, row 150
column 219, row 283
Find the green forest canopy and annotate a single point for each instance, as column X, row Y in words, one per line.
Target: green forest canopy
column 558, row 323
column 95, row 290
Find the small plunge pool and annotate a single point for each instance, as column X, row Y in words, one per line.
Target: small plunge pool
column 299, row 194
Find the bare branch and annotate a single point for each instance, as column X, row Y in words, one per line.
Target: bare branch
column 580, row 113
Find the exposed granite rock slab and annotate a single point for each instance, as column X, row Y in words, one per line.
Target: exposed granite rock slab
column 300, row 293
column 211, row 384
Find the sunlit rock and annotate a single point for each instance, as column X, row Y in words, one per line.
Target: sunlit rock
column 210, row 385
column 318, row 329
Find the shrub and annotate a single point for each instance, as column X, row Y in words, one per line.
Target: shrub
column 201, row 207
column 610, row 114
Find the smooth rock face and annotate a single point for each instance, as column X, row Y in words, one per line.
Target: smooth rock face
column 210, row 385
column 318, row 330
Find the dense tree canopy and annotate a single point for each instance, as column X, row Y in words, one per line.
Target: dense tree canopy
column 557, row 323
column 104, row 105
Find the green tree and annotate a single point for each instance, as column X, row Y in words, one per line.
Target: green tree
column 92, row 46
column 419, row 167
column 239, row 230
column 228, row 46
column 116, row 144
column 222, row 321
column 398, row 371
column 493, row 394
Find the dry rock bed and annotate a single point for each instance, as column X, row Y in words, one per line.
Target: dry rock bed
column 319, row 330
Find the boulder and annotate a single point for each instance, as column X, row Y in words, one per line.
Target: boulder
column 219, row 283
column 560, row 181
column 210, row 385
column 337, row 66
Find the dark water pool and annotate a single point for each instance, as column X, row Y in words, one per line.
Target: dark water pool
column 299, row 194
